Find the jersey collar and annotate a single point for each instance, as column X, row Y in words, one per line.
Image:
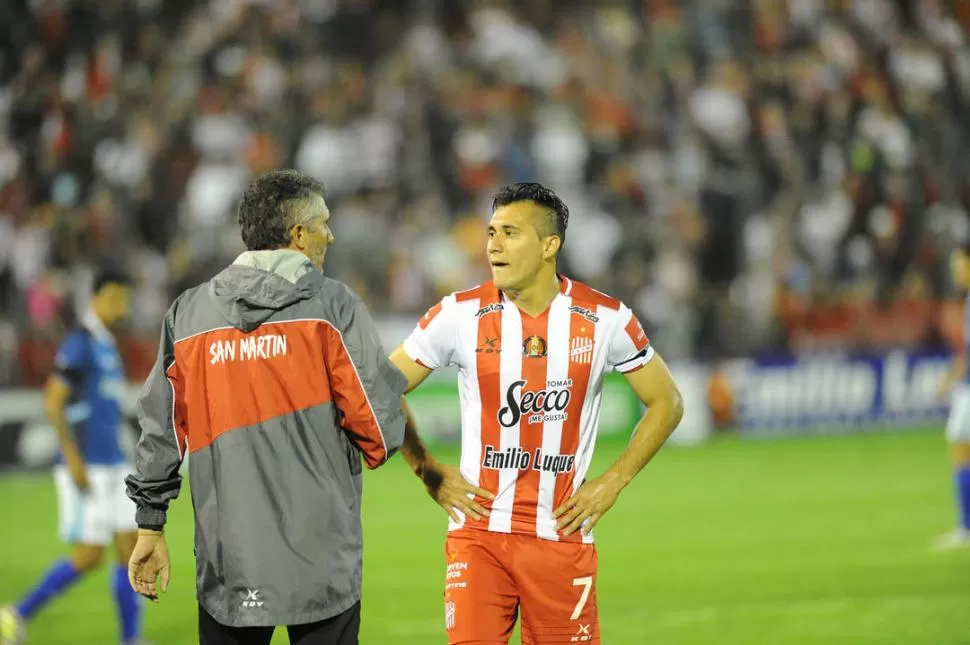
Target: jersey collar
column 94, row 325
column 565, row 288
column 565, row 285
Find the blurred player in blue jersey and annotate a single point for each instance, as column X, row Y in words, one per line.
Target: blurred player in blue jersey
column 83, row 400
column 958, row 425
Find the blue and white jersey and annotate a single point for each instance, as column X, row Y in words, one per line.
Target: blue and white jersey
column 966, row 337
column 89, row 361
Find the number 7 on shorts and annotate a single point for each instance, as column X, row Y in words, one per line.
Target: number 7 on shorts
column 587, row 583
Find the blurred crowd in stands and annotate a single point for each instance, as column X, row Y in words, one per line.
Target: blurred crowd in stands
column 757, row 176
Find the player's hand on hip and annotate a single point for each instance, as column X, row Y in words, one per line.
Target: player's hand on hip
column 149, row 562
column 454, row 493
column 587, row 505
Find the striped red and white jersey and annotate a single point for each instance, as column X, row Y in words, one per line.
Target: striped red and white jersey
column 530, row 392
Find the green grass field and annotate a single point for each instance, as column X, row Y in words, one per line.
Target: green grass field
column 793, row 542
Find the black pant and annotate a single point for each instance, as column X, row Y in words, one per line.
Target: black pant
column 342, row 629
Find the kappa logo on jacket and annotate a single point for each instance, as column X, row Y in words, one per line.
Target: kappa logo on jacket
column 252, row 600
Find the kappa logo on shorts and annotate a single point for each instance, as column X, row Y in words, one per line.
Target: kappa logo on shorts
column 584, row 634
column 449, row 614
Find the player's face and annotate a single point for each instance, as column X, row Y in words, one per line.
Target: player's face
column 313, row 237
column 112, row 303
column 516, row 252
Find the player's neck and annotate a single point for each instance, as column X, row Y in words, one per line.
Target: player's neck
column 536, row 298
column 99, row 317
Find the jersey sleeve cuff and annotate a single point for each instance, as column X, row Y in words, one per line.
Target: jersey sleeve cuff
column 636, row 362
column 71, row 376
column 414, row 351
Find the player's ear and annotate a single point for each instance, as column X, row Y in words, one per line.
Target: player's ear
column 298, row 237
column 551, row 247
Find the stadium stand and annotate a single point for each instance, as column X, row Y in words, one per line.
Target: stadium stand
column 790, row 175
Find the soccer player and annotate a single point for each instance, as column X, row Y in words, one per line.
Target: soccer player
column 531, row 347
column 958, row 425
column 83, row 400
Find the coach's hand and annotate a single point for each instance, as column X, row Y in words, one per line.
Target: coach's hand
column 453, row 492
column 590, row 502
column 149, row 560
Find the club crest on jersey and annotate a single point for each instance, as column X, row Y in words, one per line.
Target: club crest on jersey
column 585, row 313
column 581, row 350
column 489, row 309
column 534, row 347
column 546, row 405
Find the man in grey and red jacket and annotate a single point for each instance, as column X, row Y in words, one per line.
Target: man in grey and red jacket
column 273, row 378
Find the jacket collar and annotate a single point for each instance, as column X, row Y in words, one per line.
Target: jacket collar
column 286, row 263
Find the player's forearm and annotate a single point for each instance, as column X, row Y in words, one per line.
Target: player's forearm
column 58, row 421
column 649, row 436
column 413, row 450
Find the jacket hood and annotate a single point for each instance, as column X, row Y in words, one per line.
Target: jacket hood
column 259, row 283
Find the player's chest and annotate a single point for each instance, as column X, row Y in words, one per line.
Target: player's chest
column 107, row 361
column 107, row 376
column 524, row 347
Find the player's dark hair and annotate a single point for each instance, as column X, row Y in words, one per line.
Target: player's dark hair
column 558, row 218
column 105, row 277
column 266, row 210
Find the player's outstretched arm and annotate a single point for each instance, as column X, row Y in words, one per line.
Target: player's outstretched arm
column 656, row 388
column 444, row 483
